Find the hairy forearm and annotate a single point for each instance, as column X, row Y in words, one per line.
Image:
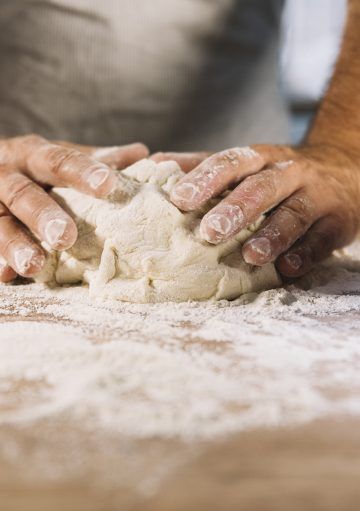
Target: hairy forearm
column 337, row 122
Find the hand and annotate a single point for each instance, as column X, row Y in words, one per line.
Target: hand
column 312, row 194
column 28, row 165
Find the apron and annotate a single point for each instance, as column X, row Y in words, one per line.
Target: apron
column 175, row 74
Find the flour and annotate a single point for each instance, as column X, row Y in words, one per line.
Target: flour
column 188, row 371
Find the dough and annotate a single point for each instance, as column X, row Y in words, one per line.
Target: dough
column 137, row 246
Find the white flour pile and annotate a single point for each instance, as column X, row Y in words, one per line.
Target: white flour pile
column 181, row 370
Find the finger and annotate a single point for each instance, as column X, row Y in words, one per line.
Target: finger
column 52, row 164
column 221, row 171
column 186, row 161
column 37, row 210
column 116, row 157
column 121, row 157
column 325, row 236
column 214, row 175
column 7, row 274
column 287, row 224
column 17, row 247
column 254, row 196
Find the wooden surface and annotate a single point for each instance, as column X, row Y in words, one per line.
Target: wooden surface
column 60, row 465
column 316, row 467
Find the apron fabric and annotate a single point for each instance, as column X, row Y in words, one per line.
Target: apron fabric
column 175, row 74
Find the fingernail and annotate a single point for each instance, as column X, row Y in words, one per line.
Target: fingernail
column 293, row 260
column 283, row 165
column 185, row 192
column 246, row 152
column 219, row 226
column 260, row 246
column 98, row 177
column 3, row 263
column 26, row 258
column 54, row 230
column 215, row 227
column 105, row 152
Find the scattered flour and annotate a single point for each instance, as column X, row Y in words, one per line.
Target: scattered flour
column 187, row 371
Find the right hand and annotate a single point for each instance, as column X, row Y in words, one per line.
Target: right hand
column 28, row 165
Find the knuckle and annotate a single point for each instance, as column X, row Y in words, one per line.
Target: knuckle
column 263, row 183
column 34, row 138
column 31, row 140
column 273, row 153
column 62, row 160
column 300, row 209
column 256, row 192
column 16, row 191
column 235, row 155
column 230, row 154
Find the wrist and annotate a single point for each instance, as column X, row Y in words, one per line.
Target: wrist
column 339, row 166
column 332, row 150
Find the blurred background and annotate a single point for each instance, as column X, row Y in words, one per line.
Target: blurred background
column 311, row 33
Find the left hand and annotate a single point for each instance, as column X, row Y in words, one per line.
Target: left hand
column 29, row 166
column 313, row 193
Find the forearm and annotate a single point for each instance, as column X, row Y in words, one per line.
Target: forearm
column 337, row 122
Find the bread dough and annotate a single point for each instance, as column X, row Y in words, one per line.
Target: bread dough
column 137, row 246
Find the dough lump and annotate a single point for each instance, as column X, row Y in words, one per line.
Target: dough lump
column 136, row 246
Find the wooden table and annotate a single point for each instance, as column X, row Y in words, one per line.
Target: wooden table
column 60, row 466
